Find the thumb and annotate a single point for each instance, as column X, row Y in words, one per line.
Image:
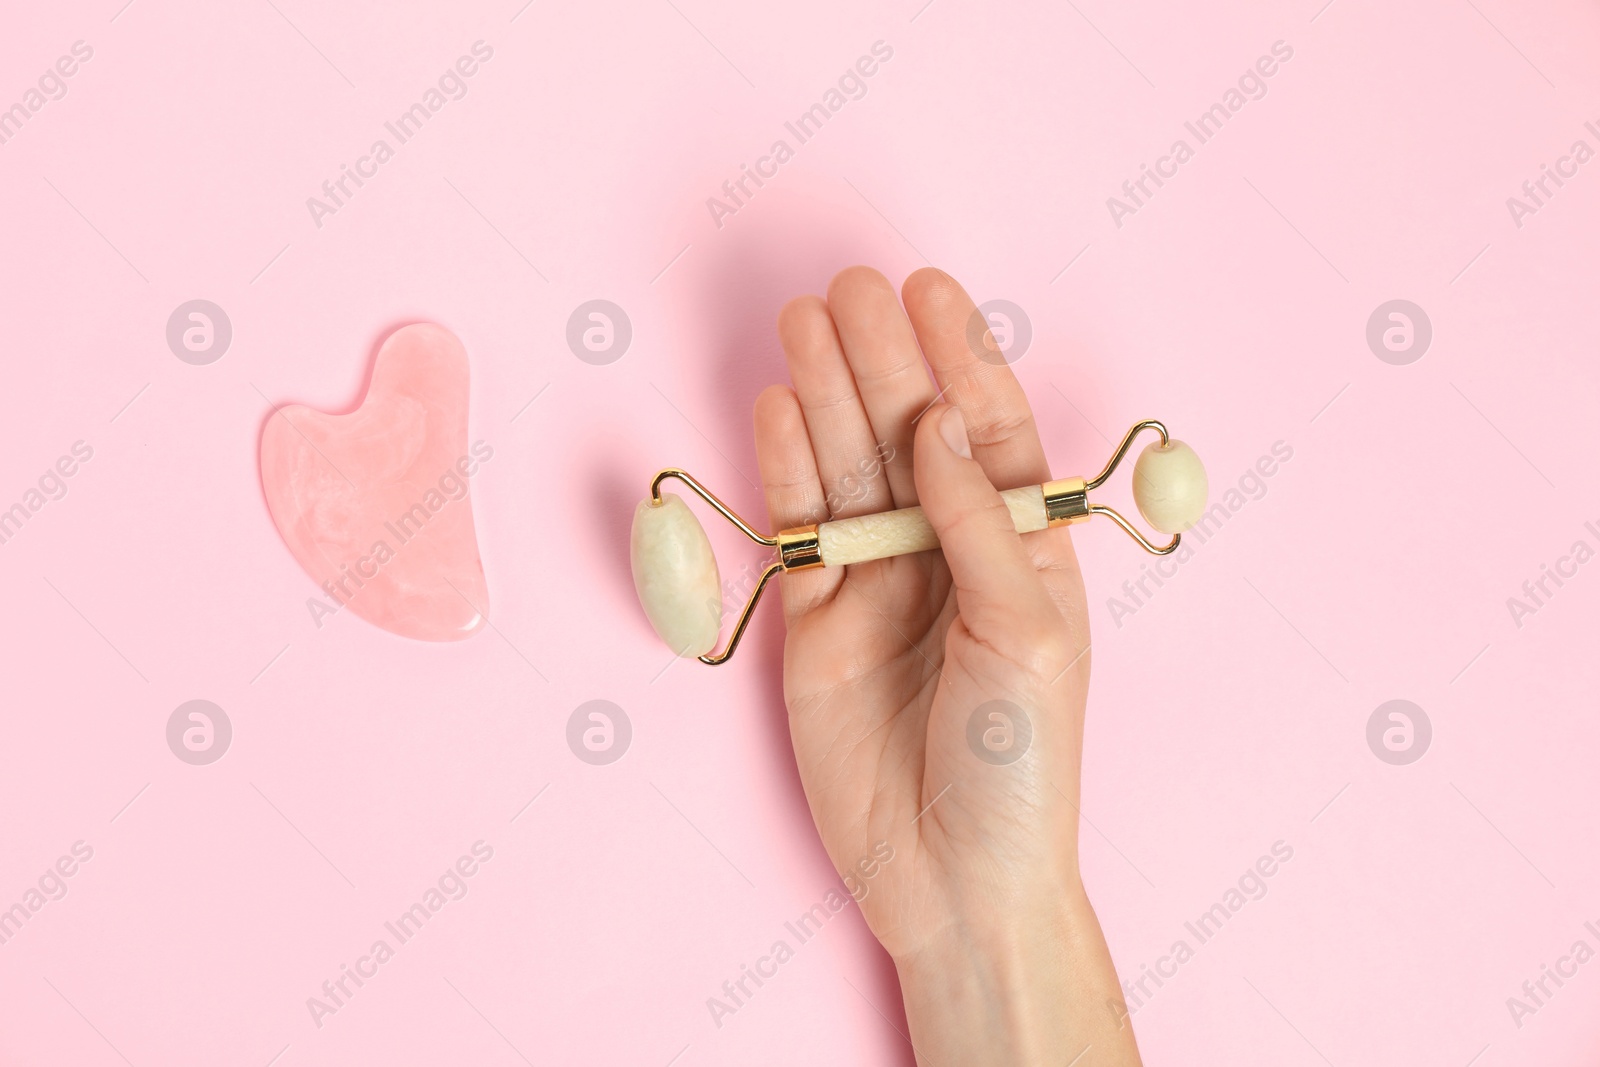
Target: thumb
column 998, row 590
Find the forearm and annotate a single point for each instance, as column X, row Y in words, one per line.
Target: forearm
column 1018, row 990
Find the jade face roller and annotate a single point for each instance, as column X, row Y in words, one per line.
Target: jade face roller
column 676, row 575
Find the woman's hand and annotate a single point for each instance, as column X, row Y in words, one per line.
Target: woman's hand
column 936, row 701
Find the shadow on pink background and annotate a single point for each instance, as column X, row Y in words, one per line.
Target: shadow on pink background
column 1230, row 706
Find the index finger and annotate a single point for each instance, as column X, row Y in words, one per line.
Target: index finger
column 793, row 489
column 1000, row 425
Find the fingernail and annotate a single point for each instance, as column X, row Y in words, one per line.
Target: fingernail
column 953, row 428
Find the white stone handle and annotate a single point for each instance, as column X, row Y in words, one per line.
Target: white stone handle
column 898, row 533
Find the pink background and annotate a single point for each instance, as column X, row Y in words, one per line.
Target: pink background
column 1228, row 713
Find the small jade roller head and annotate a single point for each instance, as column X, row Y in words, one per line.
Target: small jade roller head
column 676, row 577
column 1169, row 486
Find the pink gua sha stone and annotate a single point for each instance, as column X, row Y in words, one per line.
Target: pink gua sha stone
column 375, row 504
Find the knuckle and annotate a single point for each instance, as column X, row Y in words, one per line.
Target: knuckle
column 999, row 426
column 1042, row 652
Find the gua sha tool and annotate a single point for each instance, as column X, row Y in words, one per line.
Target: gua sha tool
column 374, row 504
column 676, row 577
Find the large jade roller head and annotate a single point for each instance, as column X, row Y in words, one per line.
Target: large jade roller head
column 675, row 572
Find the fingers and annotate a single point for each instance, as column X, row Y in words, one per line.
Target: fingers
column 794, row 494
column 1005, row 440
column 887, row 365
column 1002, row 601
column 835, row 419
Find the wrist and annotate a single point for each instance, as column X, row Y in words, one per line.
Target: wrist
column 1030, row 986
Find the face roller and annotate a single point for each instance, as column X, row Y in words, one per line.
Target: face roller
column 675, row 572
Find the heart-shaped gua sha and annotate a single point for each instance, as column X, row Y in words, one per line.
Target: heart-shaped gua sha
column 375, row 503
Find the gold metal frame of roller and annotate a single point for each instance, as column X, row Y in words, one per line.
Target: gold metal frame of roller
column 1066, row 501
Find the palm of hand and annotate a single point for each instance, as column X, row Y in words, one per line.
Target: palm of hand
column 886, row 663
